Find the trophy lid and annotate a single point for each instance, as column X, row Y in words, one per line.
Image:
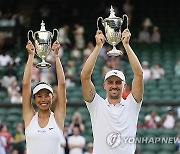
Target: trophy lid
column 43, row 26
column 112, row 13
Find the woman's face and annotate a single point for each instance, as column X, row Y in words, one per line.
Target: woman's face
column 4, row 128
column 20, row 127
column 43, row 99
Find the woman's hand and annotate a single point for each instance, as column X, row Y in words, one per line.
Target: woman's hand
column 30, row 48
column 55, row 48
column 126, row 36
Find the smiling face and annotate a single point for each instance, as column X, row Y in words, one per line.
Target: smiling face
column 43, row 99
column 114, row 87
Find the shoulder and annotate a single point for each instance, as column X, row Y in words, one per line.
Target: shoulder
column 96, row 99
column 130, row 97
column 71, row 138
column 133, row 104
column 2, row 139
column 157, row 118
column 82, row 138
column 147, row 117
column 29, row 122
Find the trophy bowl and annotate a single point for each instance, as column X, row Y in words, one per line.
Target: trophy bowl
column 112, row 26
column 42, row 40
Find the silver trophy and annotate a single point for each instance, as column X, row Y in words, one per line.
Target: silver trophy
column 42, row 41
column 112, row 26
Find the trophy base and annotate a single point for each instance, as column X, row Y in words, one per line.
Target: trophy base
column 43, row 65
column 114, row 52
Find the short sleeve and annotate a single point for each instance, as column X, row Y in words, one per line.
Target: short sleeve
column 83, row 141
column 133, row 104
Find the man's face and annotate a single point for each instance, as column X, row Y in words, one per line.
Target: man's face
column 114, row 87
column 170, row 112
column 76, row 131
column 153, row 113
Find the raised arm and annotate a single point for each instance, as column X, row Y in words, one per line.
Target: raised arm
column 28, row 110
column 88, row 88
column 60, row 110
column 137, row 84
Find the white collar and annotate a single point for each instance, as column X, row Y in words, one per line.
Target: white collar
column 117, row 105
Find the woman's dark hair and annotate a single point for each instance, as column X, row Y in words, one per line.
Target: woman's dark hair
column 2, row 125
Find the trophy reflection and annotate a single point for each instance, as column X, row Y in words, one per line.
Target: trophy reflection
column 112, row 26
column 42, row 40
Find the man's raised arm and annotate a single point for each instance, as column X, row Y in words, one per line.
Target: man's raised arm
column 137, row 84
column 88, row 88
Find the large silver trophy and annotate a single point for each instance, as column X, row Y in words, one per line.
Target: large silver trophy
column 112, row 26
column 42, row 40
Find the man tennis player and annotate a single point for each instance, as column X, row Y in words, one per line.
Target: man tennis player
column 114, row 119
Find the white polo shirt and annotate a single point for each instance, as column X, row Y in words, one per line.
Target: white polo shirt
column 114, row 127
column 76, row 140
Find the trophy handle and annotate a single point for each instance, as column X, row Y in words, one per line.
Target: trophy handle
column 54, row 33
column 30, row 31
column 98, row 22
column 126, row 18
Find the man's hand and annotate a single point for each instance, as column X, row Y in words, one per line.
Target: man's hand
column 100, row 39
column 55, row 48
column 30, row 48
column 126, row 36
